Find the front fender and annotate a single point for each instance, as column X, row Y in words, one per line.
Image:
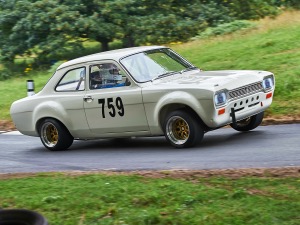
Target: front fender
column 176, row 97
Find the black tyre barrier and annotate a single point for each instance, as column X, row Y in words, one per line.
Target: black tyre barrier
column 21, row 217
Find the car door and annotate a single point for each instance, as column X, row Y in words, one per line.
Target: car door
column 66, row 103
column 113, row 105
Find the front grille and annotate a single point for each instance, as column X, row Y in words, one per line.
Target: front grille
column 245, row 90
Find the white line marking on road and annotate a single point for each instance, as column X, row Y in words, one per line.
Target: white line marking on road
column 10, row 132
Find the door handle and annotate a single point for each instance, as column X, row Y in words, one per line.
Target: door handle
column 88, row 98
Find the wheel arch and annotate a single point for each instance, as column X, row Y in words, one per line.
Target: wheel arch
column 166, row 109
column 172, row 101
column 41, row 120
column 50, row 110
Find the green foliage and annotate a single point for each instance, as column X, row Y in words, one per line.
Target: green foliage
column 131, row 199
column 5, row 74
column 36, row 28
column 250, row 9
column 48, row 28
column 9, row 70
column 215, row 14
column 287, row 3
column 226, row 28
column 171, row 21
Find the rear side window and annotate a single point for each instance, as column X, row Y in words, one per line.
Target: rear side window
column 73, row 80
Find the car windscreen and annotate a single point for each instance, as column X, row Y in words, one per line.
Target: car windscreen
column 149, row 65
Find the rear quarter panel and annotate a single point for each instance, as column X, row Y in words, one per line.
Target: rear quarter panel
column 66, row 108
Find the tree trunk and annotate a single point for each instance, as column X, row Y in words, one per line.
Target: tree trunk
column 104, row 45
column 128, row 41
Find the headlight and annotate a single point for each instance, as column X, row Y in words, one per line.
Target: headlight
column 268, row 83
column 220, row 98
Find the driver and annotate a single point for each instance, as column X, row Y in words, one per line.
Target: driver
column 96, row 79
column 106, row 76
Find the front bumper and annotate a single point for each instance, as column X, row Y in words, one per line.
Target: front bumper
column 241, row 108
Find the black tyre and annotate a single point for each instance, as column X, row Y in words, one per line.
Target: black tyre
column 54, row 135
column 21, row 217
column 182, row 129
column 249, row 123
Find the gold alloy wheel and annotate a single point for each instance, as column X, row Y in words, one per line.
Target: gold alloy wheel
column 49, row 134
column 178, row 130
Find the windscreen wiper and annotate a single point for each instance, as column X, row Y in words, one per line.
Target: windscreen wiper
column 164, row 75
column 189, row 69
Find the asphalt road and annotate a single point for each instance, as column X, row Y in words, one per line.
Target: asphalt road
column 266, row 146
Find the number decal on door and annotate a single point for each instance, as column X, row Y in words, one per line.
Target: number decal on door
column 112, row 107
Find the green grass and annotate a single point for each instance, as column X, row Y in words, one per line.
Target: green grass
column 132, row 199
column 273, row 46
column 15, row 88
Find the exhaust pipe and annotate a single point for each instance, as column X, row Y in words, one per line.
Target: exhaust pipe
column 30, row 88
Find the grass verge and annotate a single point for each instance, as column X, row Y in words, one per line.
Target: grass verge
column 161, row 197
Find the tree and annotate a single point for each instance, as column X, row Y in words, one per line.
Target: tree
column 51, row 26
column 154, row 22
column 36, row 28
column 11, row 13
column 44, row 27
column 94, row 23
column 247, row 10
column 169, row 21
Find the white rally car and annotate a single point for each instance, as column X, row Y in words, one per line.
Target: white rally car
column 142, row 91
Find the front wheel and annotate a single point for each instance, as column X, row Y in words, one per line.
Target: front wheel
column 249, row 123
column 182, row 129
column 54, row 135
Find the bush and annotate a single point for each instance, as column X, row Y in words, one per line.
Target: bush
column 287, row 3
column 5, row 74
column 9, row 70
column 226, row 28
column 247, row 10
column 214, row 14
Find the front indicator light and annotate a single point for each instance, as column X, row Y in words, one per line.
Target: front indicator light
column 221, row 111
column 269, row 95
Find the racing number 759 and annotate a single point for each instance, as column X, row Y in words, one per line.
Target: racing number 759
column 111, row 106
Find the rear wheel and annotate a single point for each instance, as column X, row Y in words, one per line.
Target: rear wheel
column 182, row 129
column 54, row 135
column 249, row 123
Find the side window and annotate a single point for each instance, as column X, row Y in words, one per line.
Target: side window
column 107, row 75
column 73, row 80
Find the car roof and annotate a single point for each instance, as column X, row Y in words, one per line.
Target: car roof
column 113, row 54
